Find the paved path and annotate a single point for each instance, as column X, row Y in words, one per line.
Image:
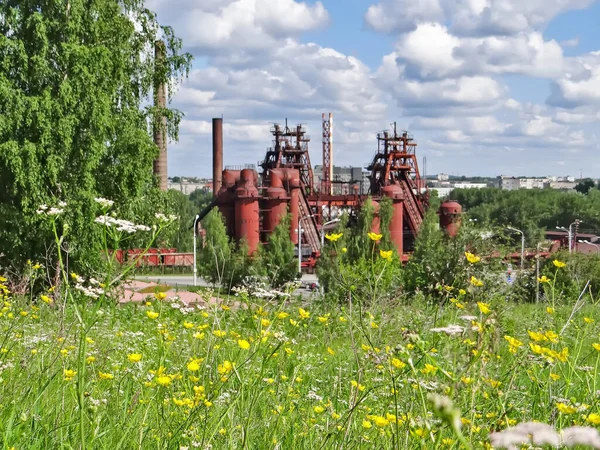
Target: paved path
column 177, row 288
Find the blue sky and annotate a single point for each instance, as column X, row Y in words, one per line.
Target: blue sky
column 487, row 87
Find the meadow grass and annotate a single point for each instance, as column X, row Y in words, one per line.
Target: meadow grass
column 280, row 374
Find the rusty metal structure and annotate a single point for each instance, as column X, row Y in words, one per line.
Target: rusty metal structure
column 217, row 141
column 253, row 203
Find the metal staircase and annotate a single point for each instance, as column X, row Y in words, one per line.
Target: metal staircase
column 309, row 226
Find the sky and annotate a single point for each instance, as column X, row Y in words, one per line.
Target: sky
column 486, row 87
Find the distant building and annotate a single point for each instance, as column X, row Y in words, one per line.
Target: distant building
column 509, row 183
column 344, row 178
column 443, row 177
column 187, row 187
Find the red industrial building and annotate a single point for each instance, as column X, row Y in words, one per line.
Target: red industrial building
column 253, row 203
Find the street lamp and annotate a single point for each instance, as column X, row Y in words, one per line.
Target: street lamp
column 591, row 243
column 570, row 233
column 195, row 232
column 300, row 241
column 522, row 244
column 323, row 230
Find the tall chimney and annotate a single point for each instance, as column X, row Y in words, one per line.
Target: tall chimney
column 217, row 135
column 160, row 128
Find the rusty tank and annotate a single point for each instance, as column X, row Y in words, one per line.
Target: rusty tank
column 247, row 225
column 450, row 213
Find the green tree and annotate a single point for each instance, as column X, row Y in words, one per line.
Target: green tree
column 75, row 81
column 215, row 255
column 584, row 186
column 279, row 257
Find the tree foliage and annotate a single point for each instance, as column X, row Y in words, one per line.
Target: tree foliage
column 279, row 258
column 76, row 79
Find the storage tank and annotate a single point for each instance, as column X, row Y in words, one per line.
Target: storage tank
column 275, row 203
column 450, row 217
column 226, row 199
column 246, row 210
column 394, row 192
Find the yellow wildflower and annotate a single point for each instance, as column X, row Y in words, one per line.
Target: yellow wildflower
column 387, row 255
column 566, row 409
column 374, row 236
column 319, row 409
column 244, row 344
column 333, row 236
column 475, row 282
column 484, row 307
column 303, row 313
column 105, row 376
column 46, row 299
column 152, row 314
column 543, row 279
column 558, row 263
column 163, row 380
column 593, row 418
column 473, row 259
column 134, row 357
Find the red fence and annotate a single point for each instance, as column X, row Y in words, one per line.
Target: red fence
column 155, row 257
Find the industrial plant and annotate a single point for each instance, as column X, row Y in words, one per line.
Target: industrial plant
column 253, row 202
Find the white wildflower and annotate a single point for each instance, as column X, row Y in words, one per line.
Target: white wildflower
column 55, row 211
column 105, row 203
column 468, row 318
column 450, row 330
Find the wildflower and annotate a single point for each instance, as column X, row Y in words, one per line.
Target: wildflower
column 588, row 320
column 475, row 282
column 555, row 376
column 245, row 345
column 282, row 315
column 373, row 325
column 194, row 365
column 323, row 319
column 596, row 345
column 538, row 337
column 513, row 343
column 473, row 259
column 366, row 424
column 220, row 333
column 552, row 336
column 160, row 295
column 134, row 357
column 152, row 314
column 593, row 418
column 429, row 369
column 397, row 363
column 90, row 359
column 69, row 374
column 543, row 279
column 484, row 307
column 164, row 380
column 46, row 299
column 357, row 385
column 105, row 376
column 387, row 255
column 333, row 236
column 466, row 380
column 550, row 310
column 450, row 330
column 188, row 325
column 330, row 351
column 319, row 409
column 344, row 250
column 558, row 263
column 104, row 202
column 225, row 368
column 303, row 313
column 374, row 236
column 265, row 322
column 566, row 409
column 380, row 421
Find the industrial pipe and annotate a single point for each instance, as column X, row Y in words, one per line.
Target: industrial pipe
column 217, row 135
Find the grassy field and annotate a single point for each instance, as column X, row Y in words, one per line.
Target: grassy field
column 286, row 375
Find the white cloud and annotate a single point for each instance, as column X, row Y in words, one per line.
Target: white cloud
column 402, row 15
column 580, row 83
column 239, row 24
column 430, row 51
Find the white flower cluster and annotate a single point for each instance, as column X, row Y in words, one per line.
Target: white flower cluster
column 450, row 330
column 105, row 203
column 164, row 218
column 51, row 211
column 120, row 224
column 542, row 434
column 92, row 290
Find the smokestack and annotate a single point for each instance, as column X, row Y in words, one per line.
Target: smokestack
column 217, row 130
column 160, row 127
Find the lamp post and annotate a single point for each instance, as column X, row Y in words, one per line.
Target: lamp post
column 570, row 233
column 195, row 232
column 522, row 245
column 300, row 242
column 323, row 230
